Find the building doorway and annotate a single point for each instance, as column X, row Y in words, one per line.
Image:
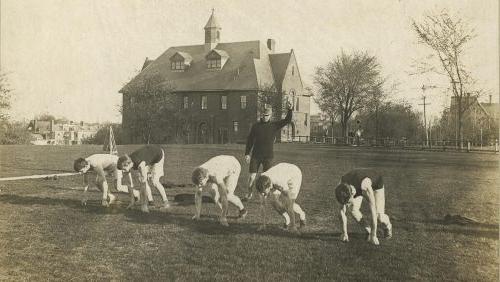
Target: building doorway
column 203, row 133
column 223, row 136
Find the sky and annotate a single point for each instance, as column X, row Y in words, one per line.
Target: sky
column 69, row 58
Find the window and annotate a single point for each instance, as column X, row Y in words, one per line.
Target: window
column 223, row 102
column 305, row 121
column 293, row 70
column 243, row 102
column 235, row 126
column 214, row 64
column 177, row 65
column 186, row 102
column 297, row 104
column 204, row 103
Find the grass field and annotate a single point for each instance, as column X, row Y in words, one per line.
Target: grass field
column 45, row 234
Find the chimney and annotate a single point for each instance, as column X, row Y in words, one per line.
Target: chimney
column 490, row 99
column 271, row 45
column 81, row 123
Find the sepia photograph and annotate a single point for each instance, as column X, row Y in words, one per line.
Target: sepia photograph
column 197, row 140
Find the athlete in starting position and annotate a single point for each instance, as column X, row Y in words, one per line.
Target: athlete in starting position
column 102, row 164
column 283, row 182
column 148, row 160
column 220, row 174
column 356, row 185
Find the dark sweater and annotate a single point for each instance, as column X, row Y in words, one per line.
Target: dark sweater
column 356, row 176
column 261, row 138
column 149, row 154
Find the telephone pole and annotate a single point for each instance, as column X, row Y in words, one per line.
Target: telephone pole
column 425, row 87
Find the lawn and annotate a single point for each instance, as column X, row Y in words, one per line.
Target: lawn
column 45, row 233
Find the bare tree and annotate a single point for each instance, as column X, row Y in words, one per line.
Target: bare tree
column 346, row 85
column 150, row 108
column 447, row 37
column 269, row 96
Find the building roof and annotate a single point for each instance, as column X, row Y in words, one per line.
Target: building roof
column 146, row 63
column 492, row 109
column 279, row 64
column 248, row 67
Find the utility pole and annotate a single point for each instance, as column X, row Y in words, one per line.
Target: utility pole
column 425, row 87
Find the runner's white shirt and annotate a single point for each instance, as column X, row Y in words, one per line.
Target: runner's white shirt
column 105, row 161
column 222, row 166
column 287, row 176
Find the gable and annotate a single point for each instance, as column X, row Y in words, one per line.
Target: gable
column 215, row 54
column 292, row 73
column 279, row 64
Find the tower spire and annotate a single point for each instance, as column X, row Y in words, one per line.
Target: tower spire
column 212, row 32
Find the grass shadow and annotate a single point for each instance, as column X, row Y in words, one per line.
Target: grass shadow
column 30, row 200
column 476, row 229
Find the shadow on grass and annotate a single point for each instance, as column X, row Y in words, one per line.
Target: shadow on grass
column 92, row 206
column 209, row 225
column 30, row 200
column 475, row 229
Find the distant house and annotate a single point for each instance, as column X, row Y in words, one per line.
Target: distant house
column 480, row 120
column 319, row 126
column 216, row 87
column 67, row 133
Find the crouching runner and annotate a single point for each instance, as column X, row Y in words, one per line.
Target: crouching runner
column 356, row 185
column 220, row 175
column 102, row 164
column 149, row 161
column 281, row 183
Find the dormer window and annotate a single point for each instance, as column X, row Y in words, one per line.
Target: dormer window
column 180, row 61
column 216, row 59
column 179, row 65
column 214, row 64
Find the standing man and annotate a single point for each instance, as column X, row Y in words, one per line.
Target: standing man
column 148, row 160
column 220, row 174
column 356, row 185
column 260, row 142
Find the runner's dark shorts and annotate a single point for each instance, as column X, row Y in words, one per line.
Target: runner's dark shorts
column 256, row 162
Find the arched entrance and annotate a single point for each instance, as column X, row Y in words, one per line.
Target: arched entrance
column 203, row 132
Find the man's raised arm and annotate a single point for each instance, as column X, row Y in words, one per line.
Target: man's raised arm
column 287, row 120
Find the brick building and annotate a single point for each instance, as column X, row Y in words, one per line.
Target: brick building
column 215, row 88
column 480, row 120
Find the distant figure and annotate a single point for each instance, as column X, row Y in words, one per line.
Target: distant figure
column 148, row 160
column 356, row 185
column 220, row 174
column 260, row 142
column 282, row 183
column 102, row 164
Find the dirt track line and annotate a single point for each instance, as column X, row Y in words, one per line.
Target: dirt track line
column 38, row 176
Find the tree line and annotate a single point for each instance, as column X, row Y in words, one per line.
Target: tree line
column 351, row 86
